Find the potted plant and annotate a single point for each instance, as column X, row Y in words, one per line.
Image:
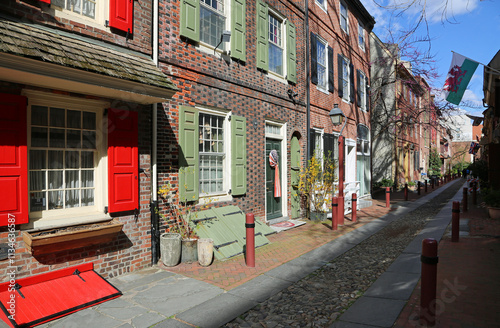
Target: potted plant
column 491, row 199
column 316, row 185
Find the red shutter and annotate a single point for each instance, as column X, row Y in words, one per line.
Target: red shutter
column 46, row 1
column 13, row 160
column 121, row 14
column 123, row 160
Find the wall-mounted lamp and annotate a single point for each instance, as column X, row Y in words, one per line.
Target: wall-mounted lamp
column 224, row 37
column 292, row 94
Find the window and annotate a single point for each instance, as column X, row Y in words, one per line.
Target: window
column 205, row 20
column 362, row 91
column 80, row 7
column 361, row 37
column 62, row 157
column 212, row 22
column 276, row 44
column 343, row 17
column 345, row 80
column 322, row 4
column 212, row 153
column 363, row 159
column 322, row 64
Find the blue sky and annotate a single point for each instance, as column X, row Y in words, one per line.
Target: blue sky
column 472, row 29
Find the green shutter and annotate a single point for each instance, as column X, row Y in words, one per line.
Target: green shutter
column 238, row 29
column 238, row 155
column 190, row 19
column 291, row 53
column 262, row 36
column 188, row 157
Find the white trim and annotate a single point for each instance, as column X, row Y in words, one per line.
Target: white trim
column 323, row 6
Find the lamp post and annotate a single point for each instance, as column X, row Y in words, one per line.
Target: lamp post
column 338, row 118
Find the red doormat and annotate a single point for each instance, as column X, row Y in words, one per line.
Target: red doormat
column 30, row 301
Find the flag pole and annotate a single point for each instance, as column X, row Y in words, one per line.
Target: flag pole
column 477, row 62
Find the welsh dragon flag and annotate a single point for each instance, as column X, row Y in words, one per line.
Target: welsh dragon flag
column 459, row 75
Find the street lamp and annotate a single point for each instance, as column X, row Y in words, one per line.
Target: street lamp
column 338, row 118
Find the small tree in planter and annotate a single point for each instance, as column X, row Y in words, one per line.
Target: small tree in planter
column 491, row 200
column 316, row 185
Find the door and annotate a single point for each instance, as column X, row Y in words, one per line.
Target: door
column 295, row 175
column 273, row 204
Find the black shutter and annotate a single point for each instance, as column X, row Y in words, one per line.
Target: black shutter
column 340, row 73
column 312, row 142
column 360, row 101
column 314, row 59
column 329, row 145
column 352, row 95
column 330, row 70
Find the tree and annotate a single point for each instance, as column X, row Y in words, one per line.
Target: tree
column 434, row 162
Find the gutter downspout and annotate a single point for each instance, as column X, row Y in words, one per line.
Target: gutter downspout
column 308, row 95
column 155, row 226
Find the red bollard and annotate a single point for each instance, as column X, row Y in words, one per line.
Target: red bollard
column 429, row 261
column 387, row 196
column 406, row 191
column 425, row 186
column 250, row 247
column 455, row 222
column 354, row 207
column 432, row 184
column 418, row 188
column 464, row 200
column 335, row 207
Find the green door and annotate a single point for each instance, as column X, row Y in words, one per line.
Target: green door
column 294, row 175
column 273, row 204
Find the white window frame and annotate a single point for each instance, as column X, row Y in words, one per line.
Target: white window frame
column 341, row 5
column 346, row 90
column 322, row 5
column 226, row 171
column 361, row 36
column 99, row 22
column 282, row 20
column 76, row 215
column 319, row 133
column 324, row 87
column 362, row 87
column 224, row 46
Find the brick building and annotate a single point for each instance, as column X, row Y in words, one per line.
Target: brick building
column 77, row 85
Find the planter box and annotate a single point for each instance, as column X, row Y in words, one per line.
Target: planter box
column 55, row 240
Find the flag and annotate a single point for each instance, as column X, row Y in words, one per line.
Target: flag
column 458, row 78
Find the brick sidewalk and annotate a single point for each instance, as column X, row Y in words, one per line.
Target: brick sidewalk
column 468, row 284
column 285, row 246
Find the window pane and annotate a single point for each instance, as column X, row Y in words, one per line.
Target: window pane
column 72, row 198
column 88, row 140
column 89, row 121
column 55, row 199
column 39, row 115
column 57, row 117
column 74, row 119
column 57, row 138
column 87, row 159
column 73, row 138
column 55, row 179
column 39, row 137
column 211, row 26
column 88, row 8
column 37, row 201
column 72, row 179
column 37, row 180
column 87, row 197
column 275, row 59
column 72, row 160
column 87, row 178
column 56, row 159
column 37, row 160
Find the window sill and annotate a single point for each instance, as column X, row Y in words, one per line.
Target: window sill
column 64, row 221
column 325, row 91
column 56, row 240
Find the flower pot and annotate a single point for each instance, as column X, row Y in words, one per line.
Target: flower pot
column 205, row 251
column 494, row 212
column 317, row 216
column 189, row 252
column 170, row 248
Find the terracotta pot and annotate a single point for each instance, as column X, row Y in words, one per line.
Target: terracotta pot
column 494, row 212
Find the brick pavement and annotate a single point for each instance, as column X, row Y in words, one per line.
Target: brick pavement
column 468, row 284
column 286, row 246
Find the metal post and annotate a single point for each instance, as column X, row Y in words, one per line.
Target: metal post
column 455, row 222
column 354, row 207
column 340, row 215
column 464, row 200
column 474, row 193
column 387, row 196
column 432, row 183
column 418, row 188
column 335, row 208
column 406, row 191
column 250, row 234
column 429, row 261
column 425, row 186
